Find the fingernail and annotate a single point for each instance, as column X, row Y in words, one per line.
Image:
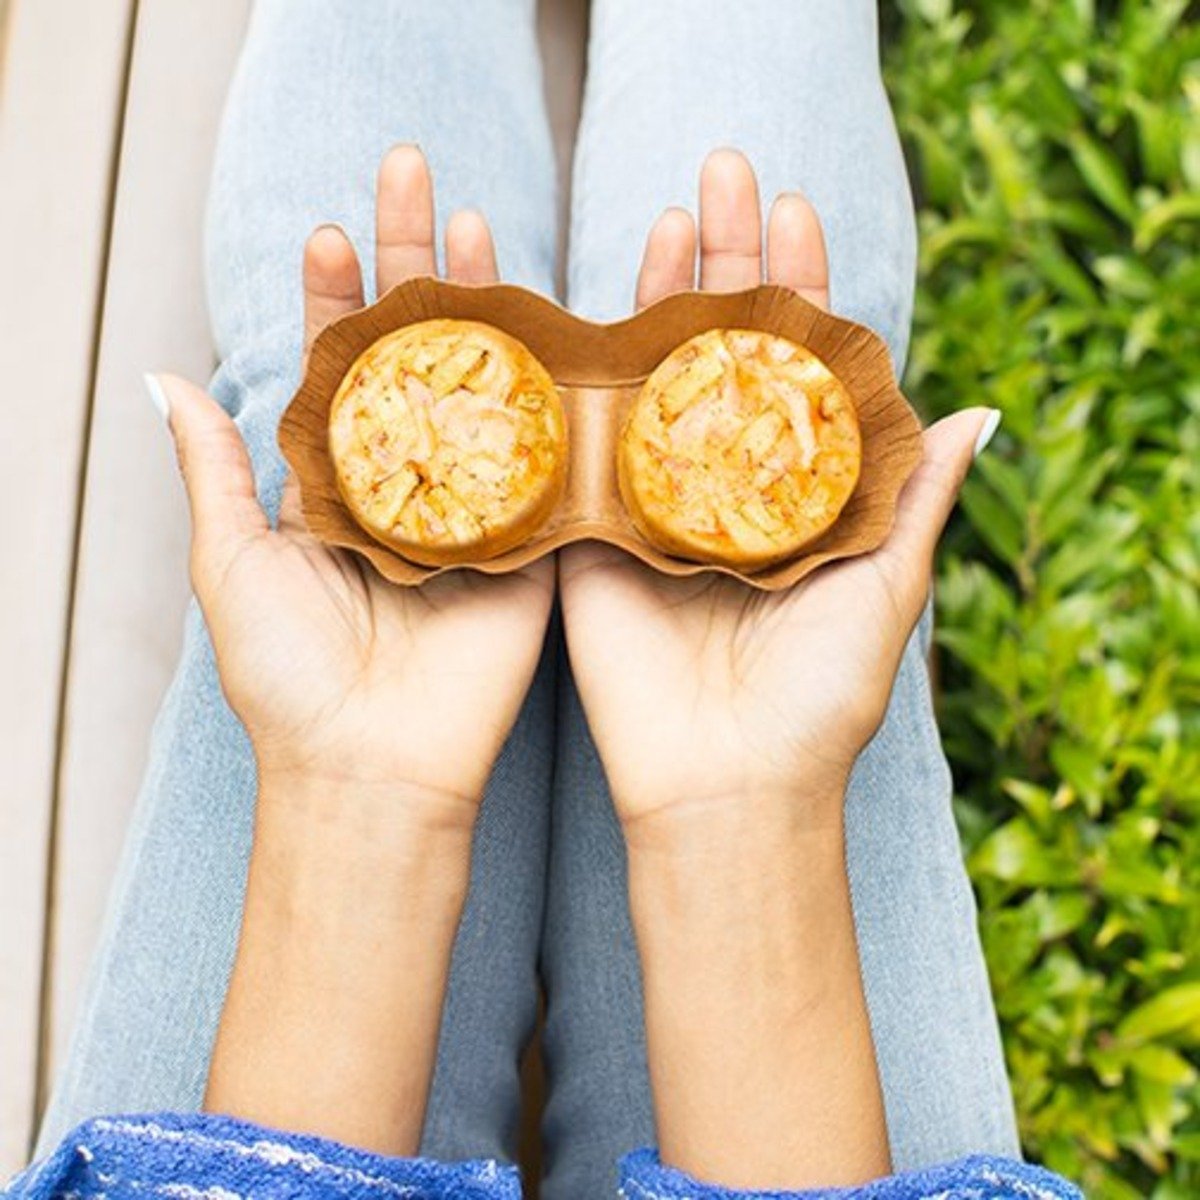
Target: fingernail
column 988, row 431
column 158, row 397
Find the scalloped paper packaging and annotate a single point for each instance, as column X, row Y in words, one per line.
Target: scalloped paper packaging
column 599, row 369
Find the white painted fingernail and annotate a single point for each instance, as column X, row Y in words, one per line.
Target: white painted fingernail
column 987, row 432
column 158, row 396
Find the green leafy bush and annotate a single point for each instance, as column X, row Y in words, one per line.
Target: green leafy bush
column 1055, row 149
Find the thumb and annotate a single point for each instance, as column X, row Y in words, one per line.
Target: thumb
column 929, row 496
column 216, row 474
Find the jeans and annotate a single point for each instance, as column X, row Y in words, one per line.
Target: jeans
column 322, row 89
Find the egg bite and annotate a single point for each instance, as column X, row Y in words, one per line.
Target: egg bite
column 741, row 449
column 448, row 442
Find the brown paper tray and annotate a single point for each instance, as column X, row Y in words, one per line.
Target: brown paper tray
column 599, row 369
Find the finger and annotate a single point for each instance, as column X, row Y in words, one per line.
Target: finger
column 796, row 254
column 470, row 251
column 928, row 498
column 404, row 222
column 669, row 260
column 730, row 223
column 332, row 280
column 216, row 473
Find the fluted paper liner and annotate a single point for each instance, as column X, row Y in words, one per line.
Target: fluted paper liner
column 599, row 369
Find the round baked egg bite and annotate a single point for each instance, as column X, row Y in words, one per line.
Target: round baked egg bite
column 448, row 441
column 741, row 449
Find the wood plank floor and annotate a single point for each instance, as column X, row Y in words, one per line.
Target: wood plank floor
column 54, row 221
column 131, row 583
column 108, row 114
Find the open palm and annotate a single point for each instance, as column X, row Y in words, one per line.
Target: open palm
column 335, row 672
column 700, row 690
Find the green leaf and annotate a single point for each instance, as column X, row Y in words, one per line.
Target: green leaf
column 1169, row 1189
column 941, row 168
column 936, row 12
column 1080, row 765
column 1158, row 136
column 1016, row 854
column 1036, row 801
column 1046, row 137
column 1169, row 1011
column 1159, row 1109
column 994, row 521
column 1103, row 173
column 1162, row 1065
column 1005, row 162
column 1064, row 273
column 965, row 231
column 1059, row 913
column 1144, row 335
column 1126, row 276
column 1161, row 218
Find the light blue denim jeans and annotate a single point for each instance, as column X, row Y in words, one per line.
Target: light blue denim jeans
column 322, row 89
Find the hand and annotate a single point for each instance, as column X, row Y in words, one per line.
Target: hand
column 337, row 674
column 701, row 690
column 376, row 712
column 728, row 720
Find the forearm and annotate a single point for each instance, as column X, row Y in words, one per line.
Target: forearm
column 331, row 1021
column 761, row 1061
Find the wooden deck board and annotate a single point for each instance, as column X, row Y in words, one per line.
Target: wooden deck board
column 110, row 286
column 53, row 227
column 132, row 572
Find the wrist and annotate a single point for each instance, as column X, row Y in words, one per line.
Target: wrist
column 738, row 873
column 355, row 851
column 352, row 800
column 742, row 896
column 751, row 822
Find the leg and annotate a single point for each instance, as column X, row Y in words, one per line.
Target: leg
column 594, row 1039
column 322, row 90
column 667, row 83
column 796, row 87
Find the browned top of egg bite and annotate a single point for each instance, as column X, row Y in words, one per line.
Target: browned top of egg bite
column 448, row 441
column 741, row 448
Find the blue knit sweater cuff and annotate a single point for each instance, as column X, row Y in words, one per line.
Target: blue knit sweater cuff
column 643, row 1177
column 171, row 1155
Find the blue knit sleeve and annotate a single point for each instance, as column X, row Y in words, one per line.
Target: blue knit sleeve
column 643, row 1177
column 174, row 1155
